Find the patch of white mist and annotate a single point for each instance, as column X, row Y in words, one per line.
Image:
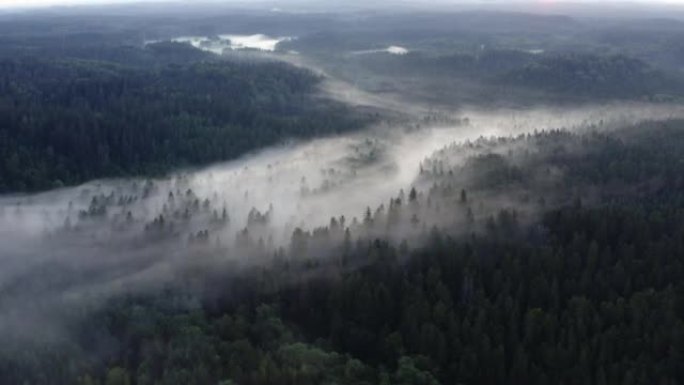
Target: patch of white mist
column 219, row 44
column 392, row 49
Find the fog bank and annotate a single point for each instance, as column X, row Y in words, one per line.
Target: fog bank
column 113, row 236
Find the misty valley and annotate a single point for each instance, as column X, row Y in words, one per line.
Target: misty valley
column 300, row 192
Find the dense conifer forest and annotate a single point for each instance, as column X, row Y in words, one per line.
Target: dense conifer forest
column 586, row 290
column 69, row 120
column 358, row 197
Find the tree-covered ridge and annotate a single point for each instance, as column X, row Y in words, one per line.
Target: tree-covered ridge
column 67, row 121
column 493, row 74
column 639, row 160
column 615, row 76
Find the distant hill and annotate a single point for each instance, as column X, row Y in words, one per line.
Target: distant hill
column 590, row 75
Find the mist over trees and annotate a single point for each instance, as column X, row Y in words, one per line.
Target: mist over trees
column 401, row 196
column 587, row 291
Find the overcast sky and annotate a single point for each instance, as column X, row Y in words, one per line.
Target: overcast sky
column 37, row 3
column 45, row 3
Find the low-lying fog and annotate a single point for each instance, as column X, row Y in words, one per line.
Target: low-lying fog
column 220, row 43
column 393, row 49
column 105, row 236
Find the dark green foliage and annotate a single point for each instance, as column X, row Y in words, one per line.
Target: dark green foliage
column 588, row 75
column 67, row 121
column 600, row 300
column 590, row 293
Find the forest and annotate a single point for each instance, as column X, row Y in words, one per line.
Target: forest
column 589, row 290
column 66, row 121
column 364, row 195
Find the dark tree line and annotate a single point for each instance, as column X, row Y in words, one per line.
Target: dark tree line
column 64, row 121
column 616, row 76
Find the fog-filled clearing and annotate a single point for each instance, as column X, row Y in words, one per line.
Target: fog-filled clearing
column 219, row 44
column 103, row 231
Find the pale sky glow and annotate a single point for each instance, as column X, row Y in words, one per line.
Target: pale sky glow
column 48, row 3
column 5, row 4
